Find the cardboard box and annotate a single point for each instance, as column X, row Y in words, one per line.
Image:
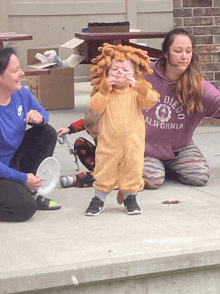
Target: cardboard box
column 54, row 90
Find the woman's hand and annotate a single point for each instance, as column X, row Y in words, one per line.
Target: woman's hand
column 34, row 117
column 33, row 183
column 62, row 131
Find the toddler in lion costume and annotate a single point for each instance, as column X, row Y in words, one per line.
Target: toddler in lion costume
column 119, row 94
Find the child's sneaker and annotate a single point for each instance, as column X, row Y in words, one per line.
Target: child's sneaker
column 81, row 180
column 84, row 180
column 67, row 181
column 95, row 207
column 131, row 205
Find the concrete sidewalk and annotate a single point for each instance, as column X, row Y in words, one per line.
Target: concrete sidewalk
column 167, row 249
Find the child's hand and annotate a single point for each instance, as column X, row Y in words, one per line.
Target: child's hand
column 111, row 82
column 130, row 79
column 62, row 131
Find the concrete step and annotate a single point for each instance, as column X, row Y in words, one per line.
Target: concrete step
column 194, row 273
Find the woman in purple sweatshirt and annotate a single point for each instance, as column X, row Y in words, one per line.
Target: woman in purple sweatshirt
column 186, row 98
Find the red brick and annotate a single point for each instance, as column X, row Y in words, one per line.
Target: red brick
column 216, row 84
column 206, row 11
column 216, row 40
column 207, row 49
column 182, row 12
column 177, row 3
column 216, row 57
column 216, row 3
column 209, row 76
column 204, row 57
column 217, row 76
column 211, row 66
column 177, row 21
column 206, row 31
column 217, row 20
column 197, row 3
column 203, row 39
column 198, row 21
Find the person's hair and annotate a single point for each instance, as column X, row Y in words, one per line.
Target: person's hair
column 189, row 86
column 103, row 62
column 5, row 55
column 91, row 118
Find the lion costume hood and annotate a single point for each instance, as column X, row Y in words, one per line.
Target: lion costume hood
column 109, row 52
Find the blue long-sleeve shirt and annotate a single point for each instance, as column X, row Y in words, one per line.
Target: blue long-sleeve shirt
column 12, row 130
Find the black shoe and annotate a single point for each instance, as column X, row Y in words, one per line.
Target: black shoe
column 95, row 207
column 131, row 205
column 84, row 180
column 46, row 204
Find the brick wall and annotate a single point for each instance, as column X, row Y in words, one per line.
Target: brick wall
column 202, row 19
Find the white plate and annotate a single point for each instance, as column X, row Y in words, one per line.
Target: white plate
column 49, row 171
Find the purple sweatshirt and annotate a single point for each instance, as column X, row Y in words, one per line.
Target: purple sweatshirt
column 168, row 126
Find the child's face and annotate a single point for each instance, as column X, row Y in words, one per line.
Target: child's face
column 93, row 131
column 120, row 70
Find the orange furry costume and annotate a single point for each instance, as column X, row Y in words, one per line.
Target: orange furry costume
column 120, row 149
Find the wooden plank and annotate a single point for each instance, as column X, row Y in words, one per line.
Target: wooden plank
column 14, row 37
column 119, row 36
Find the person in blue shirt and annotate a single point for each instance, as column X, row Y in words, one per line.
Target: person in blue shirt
column 22, row 148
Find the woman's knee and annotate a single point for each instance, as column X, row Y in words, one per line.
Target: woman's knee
column 194, row 178
column 153, row 173
column 16, row 202
column 17, row 212
column 50, row 133
column 153, row 184
column 190, row 166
